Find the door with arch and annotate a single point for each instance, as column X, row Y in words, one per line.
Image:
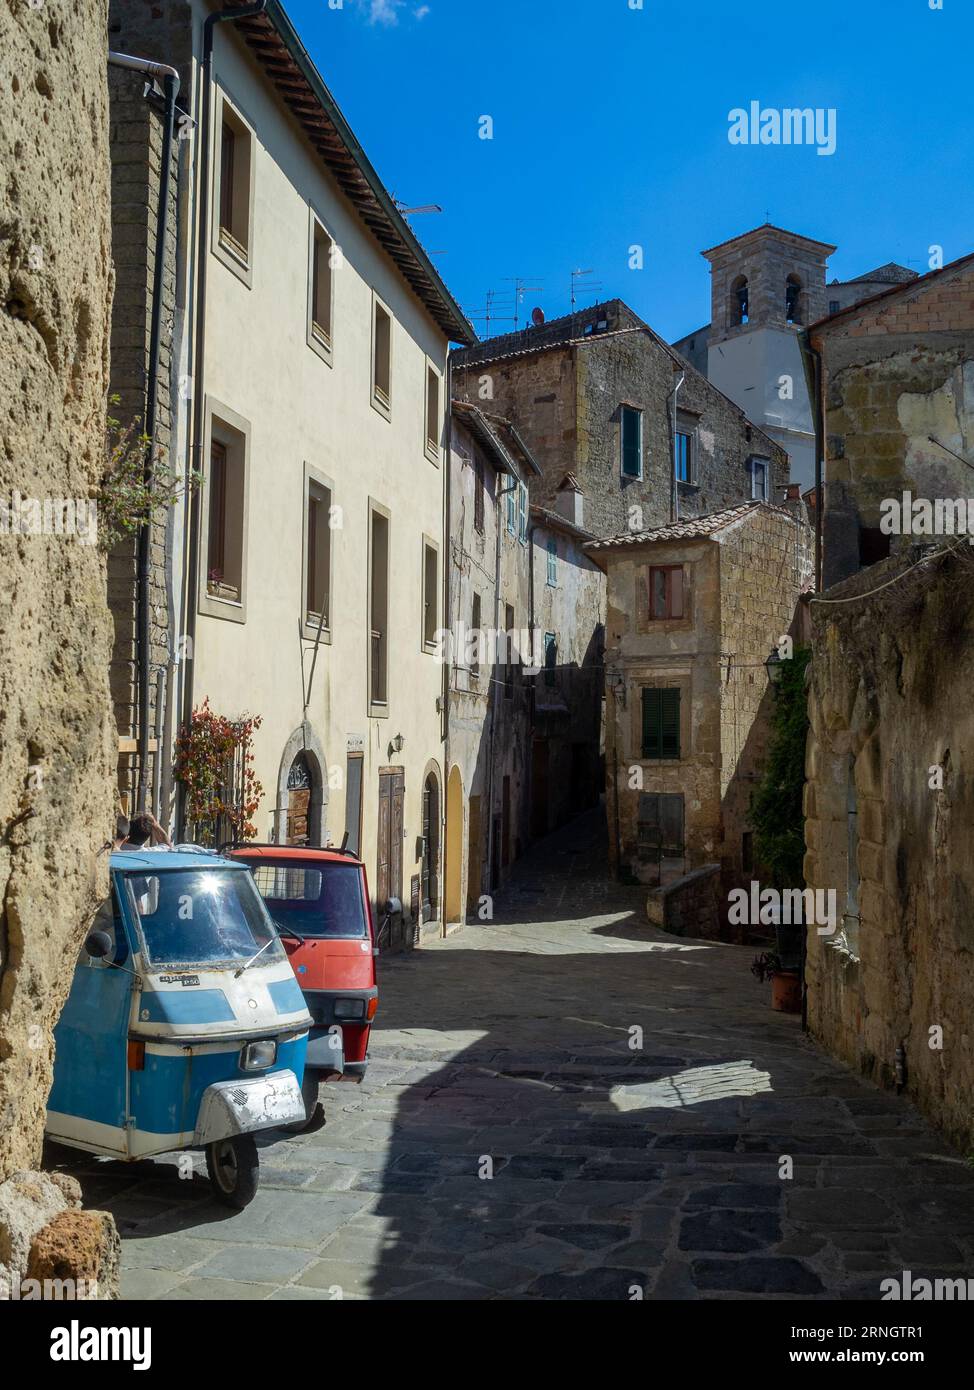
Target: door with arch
column 429, row 869
column 299, row 788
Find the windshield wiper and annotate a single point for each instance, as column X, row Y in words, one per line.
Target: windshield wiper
column 248, row 963
column 289, row 931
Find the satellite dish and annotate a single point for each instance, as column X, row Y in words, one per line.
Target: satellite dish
column 537, row 317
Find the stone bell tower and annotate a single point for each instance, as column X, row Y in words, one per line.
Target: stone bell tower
column 766, row 286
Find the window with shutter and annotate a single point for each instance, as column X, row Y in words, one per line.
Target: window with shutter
column 661, row 723
column 632, row 442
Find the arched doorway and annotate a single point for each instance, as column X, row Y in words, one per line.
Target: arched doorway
column 302, row 795
column 454, row 847
column 430, row 865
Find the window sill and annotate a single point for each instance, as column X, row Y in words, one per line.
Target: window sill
column 234, row 257
column 631, row 477
column 382, row 405
column 320, row 343
column 378, row 709
column 230, row 610
column 433, row 454
column 310, row 630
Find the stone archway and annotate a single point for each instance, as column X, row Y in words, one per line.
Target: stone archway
column 453, row 904
column 302, row 789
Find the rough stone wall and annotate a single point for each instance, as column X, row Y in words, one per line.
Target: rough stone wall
column 677, row 653
column 634, row 368
column 765, row 563
column 56, row 730
column 889, row 683
column 690, row 906
column 895, row 374
column 566, row 400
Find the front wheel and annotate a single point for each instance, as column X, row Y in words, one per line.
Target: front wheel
column 233, row 1168
column 314, row 1111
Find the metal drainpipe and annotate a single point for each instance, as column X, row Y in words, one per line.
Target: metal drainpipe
column 194, row 440
column 170, row 78
column 492, row 693
column 445, row 718
column 674, row 486
column 815, row 356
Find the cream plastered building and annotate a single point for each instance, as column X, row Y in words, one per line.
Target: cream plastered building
column 312, row 365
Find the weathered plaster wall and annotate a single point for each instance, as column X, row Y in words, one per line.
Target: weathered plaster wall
column 56, row 730
column 888, row 698
column 896, row 373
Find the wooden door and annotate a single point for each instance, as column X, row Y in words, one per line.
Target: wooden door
column 431, row 849
column 388, row 878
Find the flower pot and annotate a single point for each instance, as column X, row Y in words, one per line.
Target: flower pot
column 786, row 992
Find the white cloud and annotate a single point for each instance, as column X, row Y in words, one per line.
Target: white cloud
column 422, row 12
column 384, row 11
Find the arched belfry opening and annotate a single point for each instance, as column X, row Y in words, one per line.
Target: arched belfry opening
column 739, row 301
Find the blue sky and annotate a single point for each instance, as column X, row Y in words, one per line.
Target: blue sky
column 610, row 129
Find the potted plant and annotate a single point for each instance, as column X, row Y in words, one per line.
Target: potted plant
column 786, row 988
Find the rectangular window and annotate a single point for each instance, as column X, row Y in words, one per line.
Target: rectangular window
column 381, row 357
column 431, row 607
column 511, row 495
column 508, row 652
column 552, row 563
column 318, row 556
column 631, row 433
column 224, row 547
column 479, row 483
column 684, row 457
column 475, row 638
column 833, row 306
column 522, row 513
column 759, row 479
column 379, row 608
column 661, row 722
column 665, row 592
column 321, row 285
column 432, row 412
column 234, row 195
column 550, row 657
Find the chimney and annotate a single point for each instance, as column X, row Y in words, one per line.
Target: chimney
column 569, row 500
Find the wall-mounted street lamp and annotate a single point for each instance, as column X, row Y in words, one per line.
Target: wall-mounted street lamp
column 774, row 665
column 396, row 745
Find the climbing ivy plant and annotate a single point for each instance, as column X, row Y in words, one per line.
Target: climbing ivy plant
column 776, row 807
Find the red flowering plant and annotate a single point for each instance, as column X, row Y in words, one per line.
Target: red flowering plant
column 214, row 763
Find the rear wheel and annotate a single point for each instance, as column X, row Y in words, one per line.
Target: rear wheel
column 233, row 1168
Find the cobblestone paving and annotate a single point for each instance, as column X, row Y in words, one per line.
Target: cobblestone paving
column 617, row 1172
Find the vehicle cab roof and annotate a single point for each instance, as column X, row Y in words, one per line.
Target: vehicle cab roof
column 151, row 862
column 295, row 853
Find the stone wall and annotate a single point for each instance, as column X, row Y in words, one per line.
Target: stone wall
column 161, row 31
column 565, row 400
column 898, row 375
column 56, row 731
column 891, row 720
column 765, row 564
column 690, row 906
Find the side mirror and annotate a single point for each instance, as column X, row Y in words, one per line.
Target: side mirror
column 99, row 944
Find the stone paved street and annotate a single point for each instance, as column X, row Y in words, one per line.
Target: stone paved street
column 614, row 1170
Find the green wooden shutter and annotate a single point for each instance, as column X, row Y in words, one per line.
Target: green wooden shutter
column 661, row 723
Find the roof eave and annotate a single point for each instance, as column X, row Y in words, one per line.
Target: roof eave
column 386, row 224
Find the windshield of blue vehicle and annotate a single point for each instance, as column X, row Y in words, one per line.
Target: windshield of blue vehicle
column 204, row 917
column 325, row 901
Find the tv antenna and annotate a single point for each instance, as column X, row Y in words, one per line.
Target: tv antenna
column 489, row 316
column 521, row 288
column 412, row 212
column 577, row 275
